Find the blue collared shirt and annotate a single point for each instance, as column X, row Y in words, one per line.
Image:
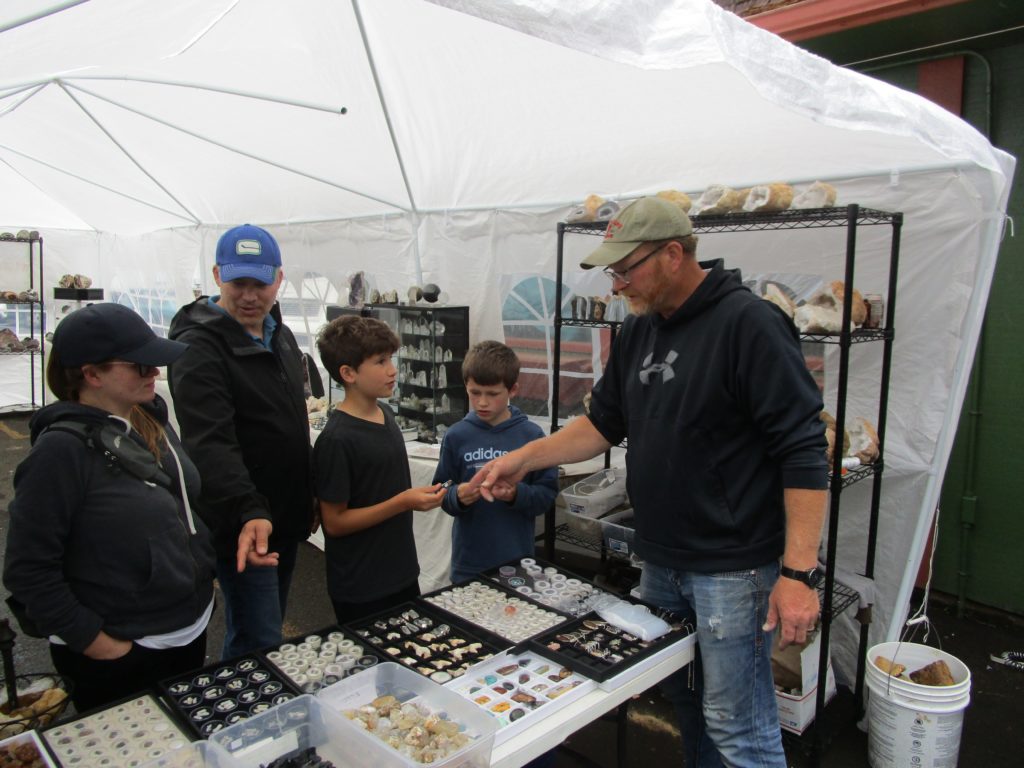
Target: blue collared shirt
column 269, row 323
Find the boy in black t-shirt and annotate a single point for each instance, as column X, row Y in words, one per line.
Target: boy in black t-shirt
column 362, row 476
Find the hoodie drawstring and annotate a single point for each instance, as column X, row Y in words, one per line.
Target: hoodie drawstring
column 184, row 491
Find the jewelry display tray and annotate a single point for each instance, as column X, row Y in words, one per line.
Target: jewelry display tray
column 496, row 631
column 481, row 683
column 225, row 693
column 370, row 631
column 313, row 685
column 608, row 673
column 129, row 732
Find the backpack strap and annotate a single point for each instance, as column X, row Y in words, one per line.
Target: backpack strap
column 120, row 451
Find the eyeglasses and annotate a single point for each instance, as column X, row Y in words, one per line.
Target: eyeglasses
column 144, row 370
column 623, row 276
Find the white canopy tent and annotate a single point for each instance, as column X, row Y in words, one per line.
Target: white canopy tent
column 442, row 141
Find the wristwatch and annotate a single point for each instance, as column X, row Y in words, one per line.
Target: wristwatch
column 812, row 577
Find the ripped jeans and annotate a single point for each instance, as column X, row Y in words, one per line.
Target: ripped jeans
column 728, row 715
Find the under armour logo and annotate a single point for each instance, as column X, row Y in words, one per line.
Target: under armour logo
column 665, row 368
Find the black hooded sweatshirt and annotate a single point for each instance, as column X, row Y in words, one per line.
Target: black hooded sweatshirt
column 94, row 548
column 721, row 415
column 242, row 413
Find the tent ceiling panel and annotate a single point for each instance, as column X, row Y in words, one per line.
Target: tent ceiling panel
column 457, row 123
column 24, row 202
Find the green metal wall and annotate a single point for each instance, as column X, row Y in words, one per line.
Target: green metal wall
column 981, row 530
column 981, row 527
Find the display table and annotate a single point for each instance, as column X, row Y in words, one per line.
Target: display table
column 552, row 730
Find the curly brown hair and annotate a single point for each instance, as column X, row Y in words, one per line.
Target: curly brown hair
column 350, row 340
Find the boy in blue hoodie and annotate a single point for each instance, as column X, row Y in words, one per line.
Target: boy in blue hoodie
column 489, row 533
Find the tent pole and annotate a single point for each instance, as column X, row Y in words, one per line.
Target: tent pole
column 235, row 150
column 42, row 14
column 394, row 142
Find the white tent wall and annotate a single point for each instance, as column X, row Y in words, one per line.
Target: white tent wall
column 132, row 134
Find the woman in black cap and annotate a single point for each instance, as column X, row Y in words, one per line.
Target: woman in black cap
column 104, row 556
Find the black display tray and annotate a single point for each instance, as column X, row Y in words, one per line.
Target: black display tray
column 78, row 294
column 131, row 731
column 568, row 646
column 576, row 602
column 226, row 693
column 497, row 622
column 367, row 656
column 395, row 628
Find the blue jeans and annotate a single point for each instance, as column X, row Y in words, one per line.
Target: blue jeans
column 728, row 715
column 255, row 601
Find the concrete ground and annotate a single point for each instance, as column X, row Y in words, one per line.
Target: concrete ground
column 992, row 734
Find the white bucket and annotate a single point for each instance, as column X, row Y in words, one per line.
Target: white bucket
column 913, row 725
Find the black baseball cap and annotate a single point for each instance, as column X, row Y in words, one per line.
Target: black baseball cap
column 105, row 331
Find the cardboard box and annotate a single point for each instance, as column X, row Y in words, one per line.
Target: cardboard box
column 798, row 665
column 797, row 712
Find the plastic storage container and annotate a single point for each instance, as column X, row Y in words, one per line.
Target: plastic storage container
column 518, row 690
column 595, row 495
column 301, row 724
column 197, row 754
column 617, row 532
column 408, row 687
column 15, row 748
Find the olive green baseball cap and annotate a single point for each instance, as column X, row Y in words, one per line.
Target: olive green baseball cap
column 646, row 220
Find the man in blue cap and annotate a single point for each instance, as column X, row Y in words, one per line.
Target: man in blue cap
column 238, row 396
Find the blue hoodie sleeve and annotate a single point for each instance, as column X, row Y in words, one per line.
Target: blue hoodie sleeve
column 449, row 467
column 536, row 492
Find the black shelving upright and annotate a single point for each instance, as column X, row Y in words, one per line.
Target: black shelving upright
column 834, row 597
column 36, row 306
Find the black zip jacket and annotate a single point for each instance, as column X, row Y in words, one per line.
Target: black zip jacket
column 94, row 548
column 721, row 415
column 243, row 420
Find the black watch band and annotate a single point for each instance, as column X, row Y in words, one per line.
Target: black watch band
column 811, row 577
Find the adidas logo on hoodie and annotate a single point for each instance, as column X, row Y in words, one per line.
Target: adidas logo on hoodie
column 482, row 454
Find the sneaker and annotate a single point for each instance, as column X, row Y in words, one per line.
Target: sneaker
column 23, row 235
column 28, row 343
column 81, row 281
column 7, row 236
column 66, row 281
column 1012, row 659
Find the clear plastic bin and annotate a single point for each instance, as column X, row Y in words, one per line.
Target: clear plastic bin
column 597, row 494
column 20, row 741
column 299, row 724
column 198, row 754
column 409, row 686
column 617, row 531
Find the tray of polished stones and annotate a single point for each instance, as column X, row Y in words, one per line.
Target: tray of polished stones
column 548, row 585
column 496, row 610
column 424, row 639
column 518, row 689
column 321, row 658
column 226, row 693
column 129, row 733
column 603, row 652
